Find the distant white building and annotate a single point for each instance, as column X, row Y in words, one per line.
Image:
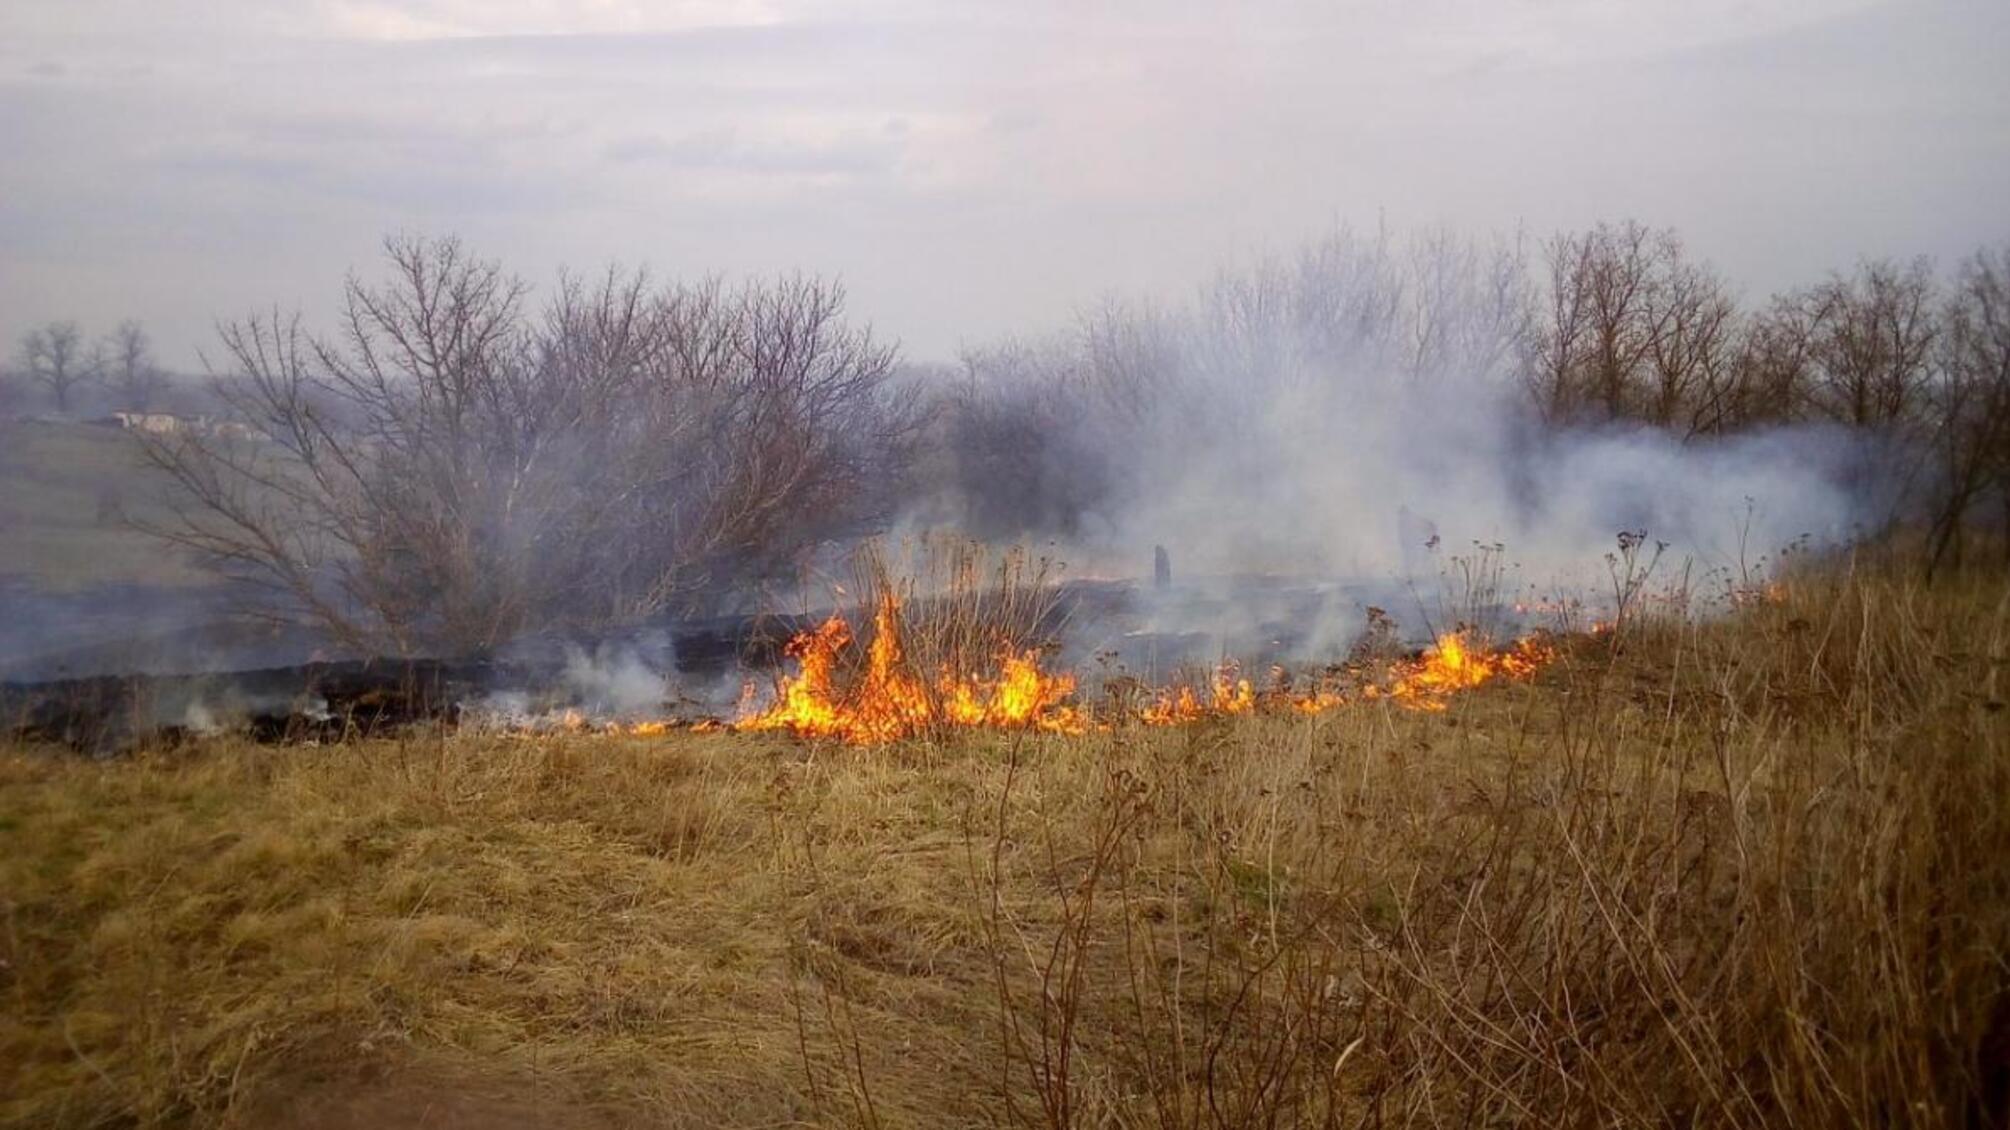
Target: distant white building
column 166, row 423
column 231, row 429
column 159, row 423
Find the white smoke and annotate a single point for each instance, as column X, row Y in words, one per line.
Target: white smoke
column 615, row 681
column 1353, row 417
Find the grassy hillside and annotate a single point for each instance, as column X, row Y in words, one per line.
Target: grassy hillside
column 71, row 493
column 1754, row 872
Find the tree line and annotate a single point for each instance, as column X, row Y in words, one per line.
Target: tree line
column 456, row 464
column 1632, row 329
column 57, row 360
column 1616, row 326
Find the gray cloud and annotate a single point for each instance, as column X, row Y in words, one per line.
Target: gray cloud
column 177, row 164
column 724, row 149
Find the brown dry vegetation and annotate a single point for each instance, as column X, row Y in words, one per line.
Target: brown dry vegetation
column 1750, row 872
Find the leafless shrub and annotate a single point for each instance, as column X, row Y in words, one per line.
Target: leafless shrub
column 1972, row 401
column 447, row 470
column 1012, row 450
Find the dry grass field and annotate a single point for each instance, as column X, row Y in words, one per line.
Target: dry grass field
column 1746, row 872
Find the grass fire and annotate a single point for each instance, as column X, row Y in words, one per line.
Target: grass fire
column 887, row 700
column 1337, row 566
column 1388, row 886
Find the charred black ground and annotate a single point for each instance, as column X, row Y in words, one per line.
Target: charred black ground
column 1103, row 628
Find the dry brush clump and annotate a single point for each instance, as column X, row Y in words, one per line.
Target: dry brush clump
column 453, row 467
column 1746, row 874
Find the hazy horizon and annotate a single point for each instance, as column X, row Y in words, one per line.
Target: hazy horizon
column 969, row 174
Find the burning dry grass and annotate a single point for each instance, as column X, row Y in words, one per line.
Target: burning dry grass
column 975, row 668
column 1747, row 873
column 960, row 656
column 887, row 699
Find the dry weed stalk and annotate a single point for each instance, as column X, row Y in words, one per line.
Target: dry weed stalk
column 1747, row 875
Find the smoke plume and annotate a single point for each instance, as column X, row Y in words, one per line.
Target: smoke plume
column 1354, row 416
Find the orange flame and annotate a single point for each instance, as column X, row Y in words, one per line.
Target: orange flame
column 1227, row 694
column 1456, row 663
column 887, row 701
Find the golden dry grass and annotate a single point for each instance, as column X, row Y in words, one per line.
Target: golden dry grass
column 1753, row 872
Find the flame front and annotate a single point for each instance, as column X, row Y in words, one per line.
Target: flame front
column 1227, row 694
column 1456, row 663
column 888, row 701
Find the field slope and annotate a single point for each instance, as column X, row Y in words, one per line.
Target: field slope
column 1750, row 872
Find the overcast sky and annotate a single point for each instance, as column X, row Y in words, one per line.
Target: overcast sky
column 970, row 169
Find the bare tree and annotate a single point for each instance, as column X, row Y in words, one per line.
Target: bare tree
column 53, row 355
column 450, row 470
column 1971, row 401
column 1633, row 329
column 1872, row 346
column 1558, row 348
column 1616, row 268
column 1345, row 300
column 1130, row 354
column 1691, row 347
column 1773, row 370
column 125, row 363
column 1469, row 306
